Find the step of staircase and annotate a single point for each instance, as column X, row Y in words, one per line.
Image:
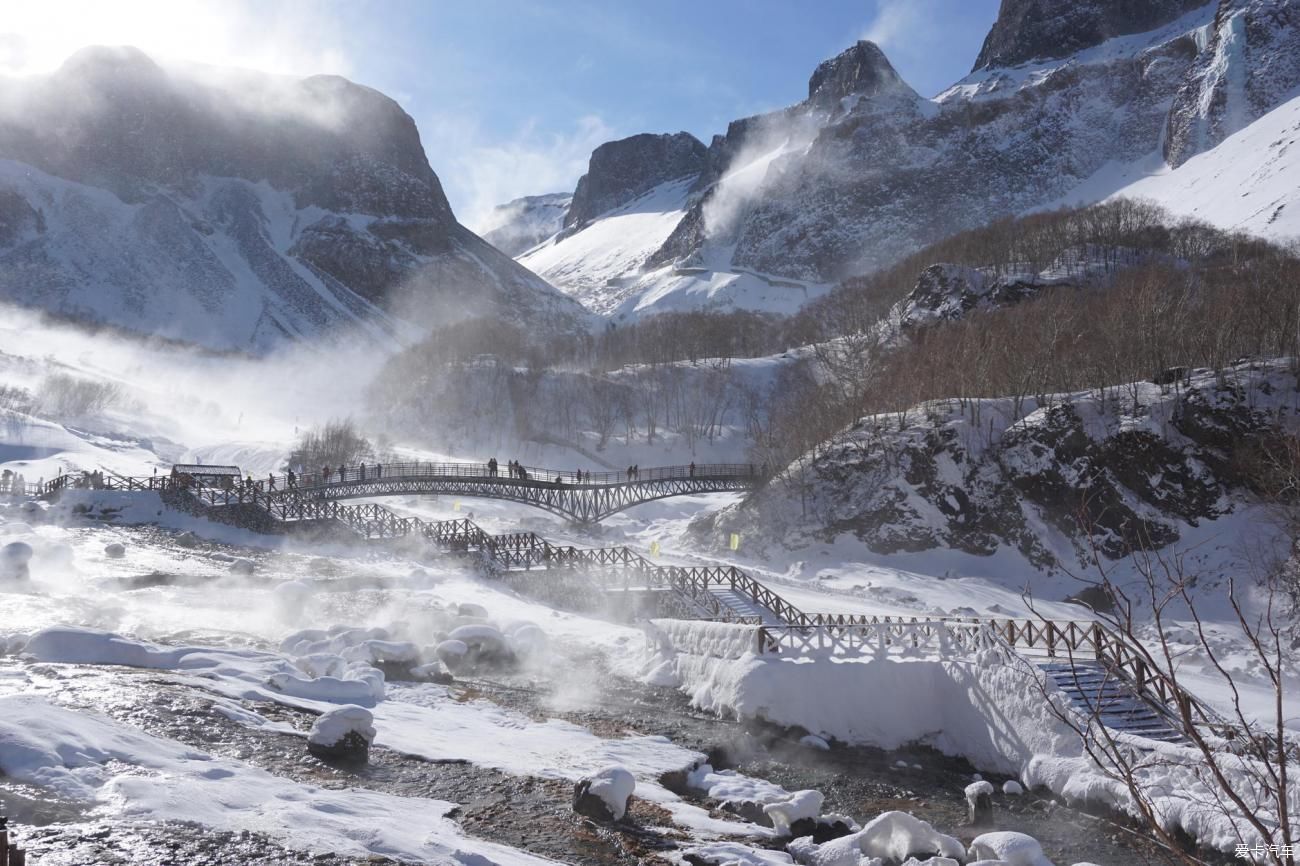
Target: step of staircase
column 743, row 605
column 1094, row 691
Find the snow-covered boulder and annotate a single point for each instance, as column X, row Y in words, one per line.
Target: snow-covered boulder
column 14, row 557
column 734, row 854
column 187, row 539
column 471, row 609
column 527, row 640
column 812, row 741
column 802, row 805
column 344, row 734
column 1014, row 849
column 242, row 567
column 485, row 644
column 979, row 802
column 603, row 796
column 892, row 836
column 1012, row 788
column 354, row 687
column 116, row 550
column 452, row 653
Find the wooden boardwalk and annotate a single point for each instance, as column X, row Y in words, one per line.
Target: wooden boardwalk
column 1099, row 671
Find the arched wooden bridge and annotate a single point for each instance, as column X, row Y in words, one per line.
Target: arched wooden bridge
column 595, row 497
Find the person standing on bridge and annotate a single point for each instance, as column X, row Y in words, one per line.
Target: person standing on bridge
column 361, row 470
column 292, row 480
column 379, row 471
column 270, row 481
column 692, row 468
column 325, row 473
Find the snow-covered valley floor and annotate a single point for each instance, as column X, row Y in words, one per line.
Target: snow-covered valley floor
column 169, row 743
column 184, row 738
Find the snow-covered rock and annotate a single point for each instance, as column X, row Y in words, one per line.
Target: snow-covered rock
column 14, row 559
column 979, row 802
column 115, row 550
column 604, row 795
column 1012, row 788
column 892, row 836
column 801, row 806
column 343, row 734
column 1014, row 849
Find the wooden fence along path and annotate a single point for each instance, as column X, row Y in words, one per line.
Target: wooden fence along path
column 1101, row 672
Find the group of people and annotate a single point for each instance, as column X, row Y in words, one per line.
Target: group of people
column 13, row 483
column 634, row 472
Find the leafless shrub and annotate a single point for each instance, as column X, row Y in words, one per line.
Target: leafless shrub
column 65, row 396
column 336, row 443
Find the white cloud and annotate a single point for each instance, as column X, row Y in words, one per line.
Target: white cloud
column 290, row 38
column 899, row 22
column 479, row 173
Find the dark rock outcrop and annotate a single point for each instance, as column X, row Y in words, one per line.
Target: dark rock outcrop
column 862, row 70
column 522, row 224
column 621, row 170
column 1028, row 30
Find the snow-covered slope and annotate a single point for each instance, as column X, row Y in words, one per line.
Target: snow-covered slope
column 606, row 265
column 236, row 210
column 1250, row 182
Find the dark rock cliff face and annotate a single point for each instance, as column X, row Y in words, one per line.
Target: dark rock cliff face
column 235, row 209
column 522, row 224
column 620, row 171
column 1250, row 65
column 1049, row 29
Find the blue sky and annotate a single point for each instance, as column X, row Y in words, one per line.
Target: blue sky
column 511, row 96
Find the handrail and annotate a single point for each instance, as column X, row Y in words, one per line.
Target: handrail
column 315, row 480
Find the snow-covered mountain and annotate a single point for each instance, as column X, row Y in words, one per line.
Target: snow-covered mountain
column 517, row 226
column 236, row 210
column 1069, row 102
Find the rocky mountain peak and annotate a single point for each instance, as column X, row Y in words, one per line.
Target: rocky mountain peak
column 619, row 171
column 862, row 69
column 1028, row 30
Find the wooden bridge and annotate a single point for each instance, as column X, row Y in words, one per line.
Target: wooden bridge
column 1100, row 673
column 586, row 497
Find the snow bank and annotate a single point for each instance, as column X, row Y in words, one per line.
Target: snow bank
column 700, row 637
column 944, row 704
column 70, row 645
column 86, row 757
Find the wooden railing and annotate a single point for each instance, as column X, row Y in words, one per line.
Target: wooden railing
column 1093, row 641
column 316, row 481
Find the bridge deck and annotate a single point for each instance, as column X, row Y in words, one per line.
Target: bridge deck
column 596, row 496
